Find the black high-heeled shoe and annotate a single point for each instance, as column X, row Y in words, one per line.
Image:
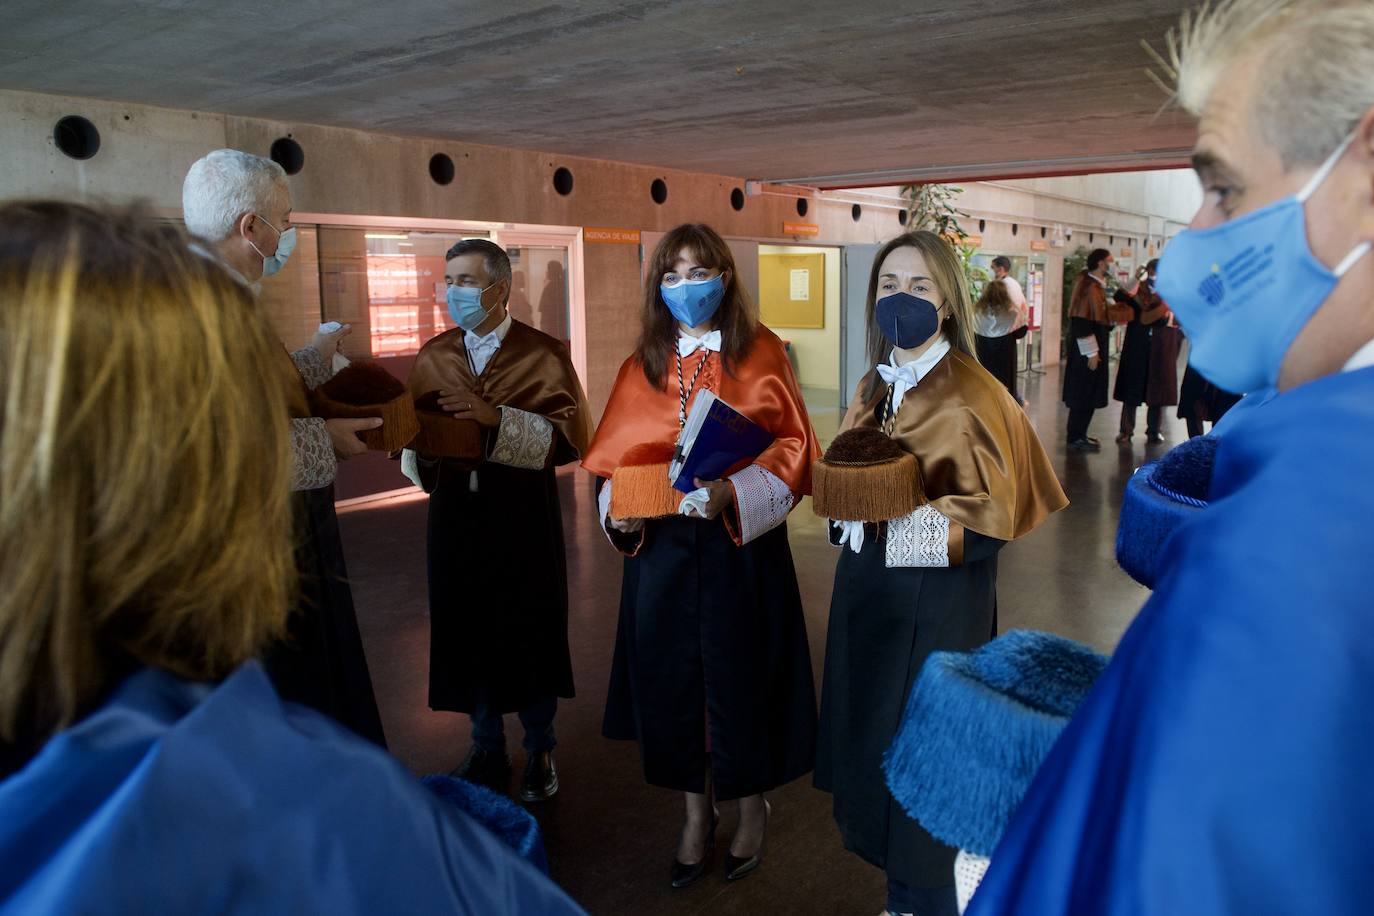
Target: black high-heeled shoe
column 684, row 875
column 735, row 867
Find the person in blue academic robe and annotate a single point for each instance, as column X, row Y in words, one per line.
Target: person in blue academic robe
column 175, row 796
column 1221, row 763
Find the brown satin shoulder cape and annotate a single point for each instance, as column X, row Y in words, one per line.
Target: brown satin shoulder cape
column 763, row 388
column 980, row 461
column 1089, row 300
column 531, row 371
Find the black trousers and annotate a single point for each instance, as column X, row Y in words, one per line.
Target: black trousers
column 1079, row 419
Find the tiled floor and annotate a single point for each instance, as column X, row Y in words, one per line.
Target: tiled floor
column 610, row 836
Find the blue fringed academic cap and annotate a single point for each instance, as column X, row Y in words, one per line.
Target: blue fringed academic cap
column 977, row 726
column 511, row 824
column 1160, row 497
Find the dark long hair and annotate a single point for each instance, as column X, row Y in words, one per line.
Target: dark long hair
column 948, row 275
column 736, row 319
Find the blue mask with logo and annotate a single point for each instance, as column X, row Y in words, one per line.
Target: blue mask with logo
column 906, row 321
column 1244, row 290
column 465, row 306
column 693, row 302
column 286, row 243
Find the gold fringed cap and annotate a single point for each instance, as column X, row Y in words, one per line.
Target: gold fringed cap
column 365, row 389
column 865, row 476
column 640, row 487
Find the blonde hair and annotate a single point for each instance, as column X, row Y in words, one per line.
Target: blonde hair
column 144, row 463
column 1318, row 77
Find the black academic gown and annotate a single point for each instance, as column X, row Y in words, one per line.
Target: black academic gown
column 1084, row 388
column 498, row 587
column 1133, row 367
column 321, row 662
column 998, row 356
column 711, row 658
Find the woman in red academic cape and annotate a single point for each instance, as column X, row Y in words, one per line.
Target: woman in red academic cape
column 712, row 673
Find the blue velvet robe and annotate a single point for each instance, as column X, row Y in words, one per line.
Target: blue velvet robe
column 175, row 797
column 1221, row 764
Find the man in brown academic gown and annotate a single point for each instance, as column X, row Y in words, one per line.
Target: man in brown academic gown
column 1085, row 370
column 498, row 590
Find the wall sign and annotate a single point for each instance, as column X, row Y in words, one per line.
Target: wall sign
column 801, row 230
column 611, row 236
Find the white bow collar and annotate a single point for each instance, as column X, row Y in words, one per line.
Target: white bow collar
column 687, row 344
column 906, row 377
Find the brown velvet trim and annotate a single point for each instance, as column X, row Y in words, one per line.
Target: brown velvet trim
column 862, row 447
column 399, row 422
column 643, row 491
column 956, row 544
column 872, row 493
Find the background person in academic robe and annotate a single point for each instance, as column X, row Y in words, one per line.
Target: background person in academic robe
column 997, row 325
column 712, row 672
column 1085, row 374
column 240, row 206
column 1134, row 368
column 146, row 764
column 1166, row 340
column 928, row 580
column 498, row 582
column 1199, row 400
column 1220, row 764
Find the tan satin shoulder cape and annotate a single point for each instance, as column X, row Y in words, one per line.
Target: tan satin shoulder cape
column 981, row 463
column 531, row 371
column 642, row 418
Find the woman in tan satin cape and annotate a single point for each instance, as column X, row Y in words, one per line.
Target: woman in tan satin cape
column 712, row 672
column 925, row 581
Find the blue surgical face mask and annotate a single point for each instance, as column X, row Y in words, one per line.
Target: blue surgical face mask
column 1243, row 290
column 693, row 302
column 285, row 245
column 906, row 321
column 267, row 257
column 465, row 306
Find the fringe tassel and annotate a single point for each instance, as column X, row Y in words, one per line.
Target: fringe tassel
column 643, row 491
column 865, row 493
column 441, row 434
column 399, row 421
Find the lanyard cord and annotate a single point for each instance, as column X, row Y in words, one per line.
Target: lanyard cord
column 890, row 418
column 685, row 392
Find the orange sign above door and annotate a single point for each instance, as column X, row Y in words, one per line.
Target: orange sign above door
column 611, row 236
column 1040, row 245
column 802, row 230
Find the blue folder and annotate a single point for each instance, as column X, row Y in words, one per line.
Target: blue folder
column 717, row 439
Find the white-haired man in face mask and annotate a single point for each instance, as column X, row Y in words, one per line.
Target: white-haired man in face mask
column 239, row 206
column 1221, row 763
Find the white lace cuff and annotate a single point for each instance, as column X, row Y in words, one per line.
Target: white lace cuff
column 1087, row 346
column 762, row 501
column 313, row 464
column 969, row 870
column 523, row 440
column 920, row 538
column 313, row 367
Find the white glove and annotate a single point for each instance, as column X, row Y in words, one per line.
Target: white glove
column 694, row 503
column 851, row 533
column 410, row 467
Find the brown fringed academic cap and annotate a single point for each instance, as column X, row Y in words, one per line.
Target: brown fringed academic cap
column 865, row 476
column 444, row 435
column 365, row 389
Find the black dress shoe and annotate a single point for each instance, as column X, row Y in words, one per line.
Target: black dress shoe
column 735, row 867
column 1154, row 438
column 1083, row 445
column 485, row 768
column 541, row 778
column 684, row 875
column 1094, row 440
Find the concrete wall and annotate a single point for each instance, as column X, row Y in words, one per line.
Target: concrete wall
column 145, row 152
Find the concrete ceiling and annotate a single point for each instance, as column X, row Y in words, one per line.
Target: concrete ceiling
column 825, row 93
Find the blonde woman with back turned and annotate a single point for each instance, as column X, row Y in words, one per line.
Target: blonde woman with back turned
column 146, row 765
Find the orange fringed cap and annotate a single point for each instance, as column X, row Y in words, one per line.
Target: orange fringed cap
column 640, row 426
